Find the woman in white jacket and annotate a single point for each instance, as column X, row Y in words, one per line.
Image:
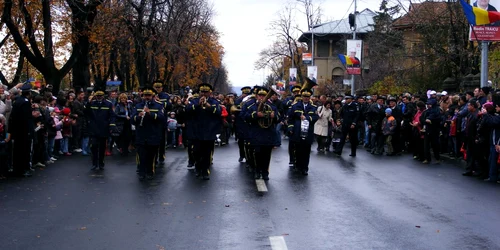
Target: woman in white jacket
column 321, row 126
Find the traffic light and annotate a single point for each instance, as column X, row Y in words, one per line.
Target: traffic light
column 352, row 21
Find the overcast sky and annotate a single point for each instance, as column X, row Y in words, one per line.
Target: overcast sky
column 244, row 27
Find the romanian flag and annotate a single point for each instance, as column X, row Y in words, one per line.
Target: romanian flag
column 346, row 60
column 349, row 61
column 478, row 16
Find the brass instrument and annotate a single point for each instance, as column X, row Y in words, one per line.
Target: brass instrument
column 264, row 107
column 234, row 108
column 309, row 84
column 203, row 101
column 143, row 114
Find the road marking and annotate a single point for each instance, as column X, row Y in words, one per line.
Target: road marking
column 261, row 185
column 278, row 243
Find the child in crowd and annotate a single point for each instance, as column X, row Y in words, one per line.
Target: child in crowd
column 67, row 123
column 388, row 127
column 171, row 130
column 337, row 133
column 4, row 148
column 53, row 132
column 452, row 138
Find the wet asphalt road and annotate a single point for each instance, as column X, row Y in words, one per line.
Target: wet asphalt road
column 368, row 202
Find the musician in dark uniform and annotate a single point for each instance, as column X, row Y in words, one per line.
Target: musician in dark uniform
column 148, row 119
column 22, row 129
column 239, row 123
column 188, row 133
column 288, row 105
column 262, row 118
column 207, row 120
column 249, row 153
column 101, row 119
column 164, row 99
column 301, row 118
column 349, row 114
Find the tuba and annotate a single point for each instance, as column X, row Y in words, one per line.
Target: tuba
column 264, row 107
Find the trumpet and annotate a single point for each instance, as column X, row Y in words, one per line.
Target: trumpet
column 143, row 114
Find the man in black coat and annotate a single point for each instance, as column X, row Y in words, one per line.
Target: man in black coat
column 398, row 115
column 21, row 127
column 350, row 116
column 374, row 117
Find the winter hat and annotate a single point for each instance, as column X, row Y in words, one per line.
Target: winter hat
column 66, row 111
column 388, row 111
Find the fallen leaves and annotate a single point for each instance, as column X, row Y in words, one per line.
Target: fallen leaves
column 227, row 205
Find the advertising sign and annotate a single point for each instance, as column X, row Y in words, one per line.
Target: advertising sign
column 489, row 32
column 312, row 73
column 354, row 49
column 292, row 78
column 307, row 58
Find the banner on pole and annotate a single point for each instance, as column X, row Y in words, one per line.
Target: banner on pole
column 488, row 32
column 307, row 58
column 354, row 50
column 312, row 73
column 292, row 78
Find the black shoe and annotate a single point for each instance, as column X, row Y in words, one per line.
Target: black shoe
column 240, row 159
column 150, row 177
column 96, row 167
column 257, row 176
column 352, row 155
column 291, row 163
column 305, row 173
column 265, row 177
column 206, row 177
column 190, row 166
column 142, row 177
column 468, row 173
column 390, row 154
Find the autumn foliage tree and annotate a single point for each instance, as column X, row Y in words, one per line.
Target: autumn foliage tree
column 136, row 42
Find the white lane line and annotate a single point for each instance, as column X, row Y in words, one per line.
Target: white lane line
column 261, row 185
column 278, row 243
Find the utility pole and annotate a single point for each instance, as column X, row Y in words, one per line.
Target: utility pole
column 354, row 38
column 312, row 42
column 484, row 64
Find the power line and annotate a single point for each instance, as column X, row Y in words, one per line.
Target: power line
column 338, row 22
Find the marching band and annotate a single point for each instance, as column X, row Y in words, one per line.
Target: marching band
column 255, row 120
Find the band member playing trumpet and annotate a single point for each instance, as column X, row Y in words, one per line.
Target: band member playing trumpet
column 164, row 99
column 249, row 152
column 288, row 105
column 262, row 117
column 206, row 123
column 239, row 123
column 148, row 119
column 301, row 118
